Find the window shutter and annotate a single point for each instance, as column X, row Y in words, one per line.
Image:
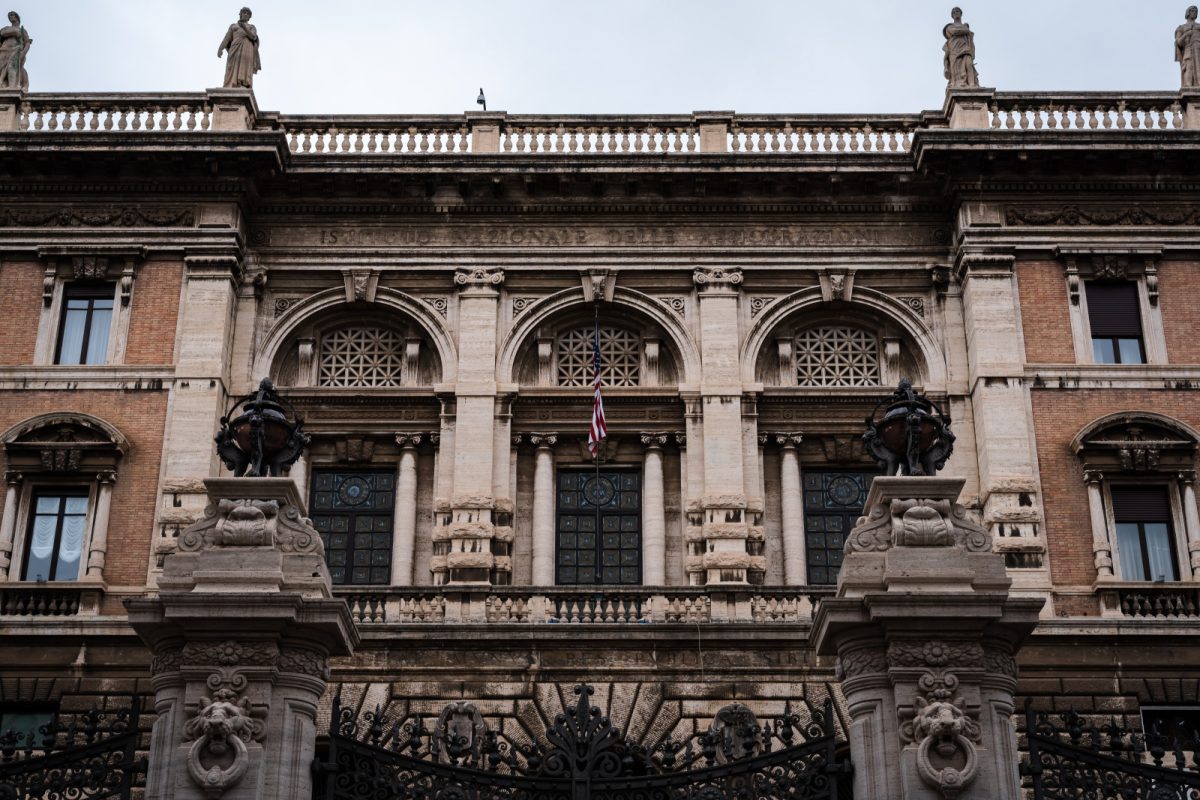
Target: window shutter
column 1141, row 504
column 1113, row 309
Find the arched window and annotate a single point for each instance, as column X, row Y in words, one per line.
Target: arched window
column 620, row 357
column 361, row 357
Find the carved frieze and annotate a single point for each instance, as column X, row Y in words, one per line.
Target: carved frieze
column 1120, row 215
column 249, row 523
column 130, row 217
column 918, row 523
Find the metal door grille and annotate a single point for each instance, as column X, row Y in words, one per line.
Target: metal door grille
column 599, row 527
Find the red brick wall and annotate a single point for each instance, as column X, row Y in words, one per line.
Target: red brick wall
column 140, row 416
column 1179, row 290
column 21, row 289
column 154, row 314
column 1057, row 417
column 1045, row 315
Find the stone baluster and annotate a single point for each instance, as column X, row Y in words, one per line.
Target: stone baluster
column 1187, row 481
column 404, row 529
column 1101, row 546
column 543, row 508
column 654, row 515
column 8, row 522
column 99, row 540
column 791, row 498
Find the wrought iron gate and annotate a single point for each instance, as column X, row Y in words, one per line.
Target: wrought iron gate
column 583, row 757
column 1071, row 757
column 85, row 755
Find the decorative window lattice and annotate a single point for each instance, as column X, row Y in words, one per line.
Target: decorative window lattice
column 361, row 357
column 837, row 357
column 620, row 357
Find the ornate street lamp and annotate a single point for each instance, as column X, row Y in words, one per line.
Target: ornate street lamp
column 912, row 436
column 257, row 439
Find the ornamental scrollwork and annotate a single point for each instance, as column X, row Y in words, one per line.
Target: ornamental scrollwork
column 222, row 727
column 1074, row 215
column 251, row 523
column 231, row 654
column 97, row 218
column 478, row 276
column 918, row 522
column 717, row 277
column 304, row 662
column 459, row 734
column 863, row 661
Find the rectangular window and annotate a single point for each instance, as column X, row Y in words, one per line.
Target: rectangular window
column 86, row 319
column 56, row 535
column 1115, row 322
column 833, row 502
column 1145, row 542
column 599, row 528
column 30, row 722
column 353, row 512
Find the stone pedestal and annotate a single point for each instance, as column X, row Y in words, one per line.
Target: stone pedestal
column 925, row 634
column 968, row 107
column 241, row 633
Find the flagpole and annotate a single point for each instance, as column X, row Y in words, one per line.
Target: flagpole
column 596, row 452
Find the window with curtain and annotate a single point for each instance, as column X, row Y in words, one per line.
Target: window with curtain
column 1145, row 542
column 1115, row 322
column 56, row 535
column 86, row 320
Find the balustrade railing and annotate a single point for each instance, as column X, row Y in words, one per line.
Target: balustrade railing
column 1158, row 601
column 124, row 113
column 599, row 134
column 581, row 606
column 40, row 600
column 1086, row 111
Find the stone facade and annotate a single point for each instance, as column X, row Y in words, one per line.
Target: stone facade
column 424, row 291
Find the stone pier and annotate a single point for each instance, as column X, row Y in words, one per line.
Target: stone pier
column 926, row 634
column 241, row 633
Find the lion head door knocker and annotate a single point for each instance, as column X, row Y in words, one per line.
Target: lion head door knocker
column 459, row 734
column 736, row 732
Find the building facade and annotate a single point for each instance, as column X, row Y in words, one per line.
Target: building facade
column 426, row 290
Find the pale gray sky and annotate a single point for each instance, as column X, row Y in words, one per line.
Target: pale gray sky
column 601, row 56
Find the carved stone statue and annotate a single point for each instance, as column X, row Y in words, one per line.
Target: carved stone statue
column 1187, row 50
column 14, row 44
column 959, row 49
column 242, row 43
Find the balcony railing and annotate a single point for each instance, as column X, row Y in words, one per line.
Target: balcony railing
column 574, row 606
column 588, row 135
column 40, row 600
column 1151, row 601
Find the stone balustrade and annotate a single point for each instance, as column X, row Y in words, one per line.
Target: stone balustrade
column 1084, row 111
column 571, row 606
column 53, row 599
column 1150, row 601
column 599, row 134
column 126, row 113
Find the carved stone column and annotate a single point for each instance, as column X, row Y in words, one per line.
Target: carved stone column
column 543, row 508
column 926, row 633
column 1187, row 482
column 405, row 524
column 99, row 539
column 241, row 633
column 791, row 499
column 8, row 522
column 654, row 513
column 1101, row 546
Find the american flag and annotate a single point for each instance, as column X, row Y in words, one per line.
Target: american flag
column 599, row 429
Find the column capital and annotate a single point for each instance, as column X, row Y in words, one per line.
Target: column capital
column 408, row 441
column 717, row 279
column 1187, row 476
column 786, row 440
column 681, row 439
column 435, row 439
column 543, row 440
column 1093, row 476
column 762, row 439
column 478, row 277
column 654, row 440
column 14, row 477
column 106, row 476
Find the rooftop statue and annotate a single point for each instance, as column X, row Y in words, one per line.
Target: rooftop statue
column 1187, row 50
column 242, row 43
column 14, row 44
column 959, row 52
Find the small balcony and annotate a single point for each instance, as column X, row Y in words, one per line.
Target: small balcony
column 1163, row 601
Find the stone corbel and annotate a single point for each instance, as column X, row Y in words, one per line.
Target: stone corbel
column 49, row 277
column 360, row 285
column 305, row 351
column 784, row 346
column 412, row 359
column 598, row 284
column 1151, row 271
column 836, row 285
column 891, row 360
column 545, row 358
column 128, row 272
column 1073, row 283
column 650, row 346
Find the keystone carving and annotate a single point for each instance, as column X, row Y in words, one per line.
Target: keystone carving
column 478, row 276
column 918, row 523
column 717, row 278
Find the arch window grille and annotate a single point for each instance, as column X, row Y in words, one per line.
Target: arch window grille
column 620, row 357
column 837, row 356
column 361, row 357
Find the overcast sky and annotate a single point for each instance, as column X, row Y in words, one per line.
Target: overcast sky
column 601, row 56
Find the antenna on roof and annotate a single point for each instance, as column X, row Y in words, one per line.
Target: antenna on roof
column 481, row 100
